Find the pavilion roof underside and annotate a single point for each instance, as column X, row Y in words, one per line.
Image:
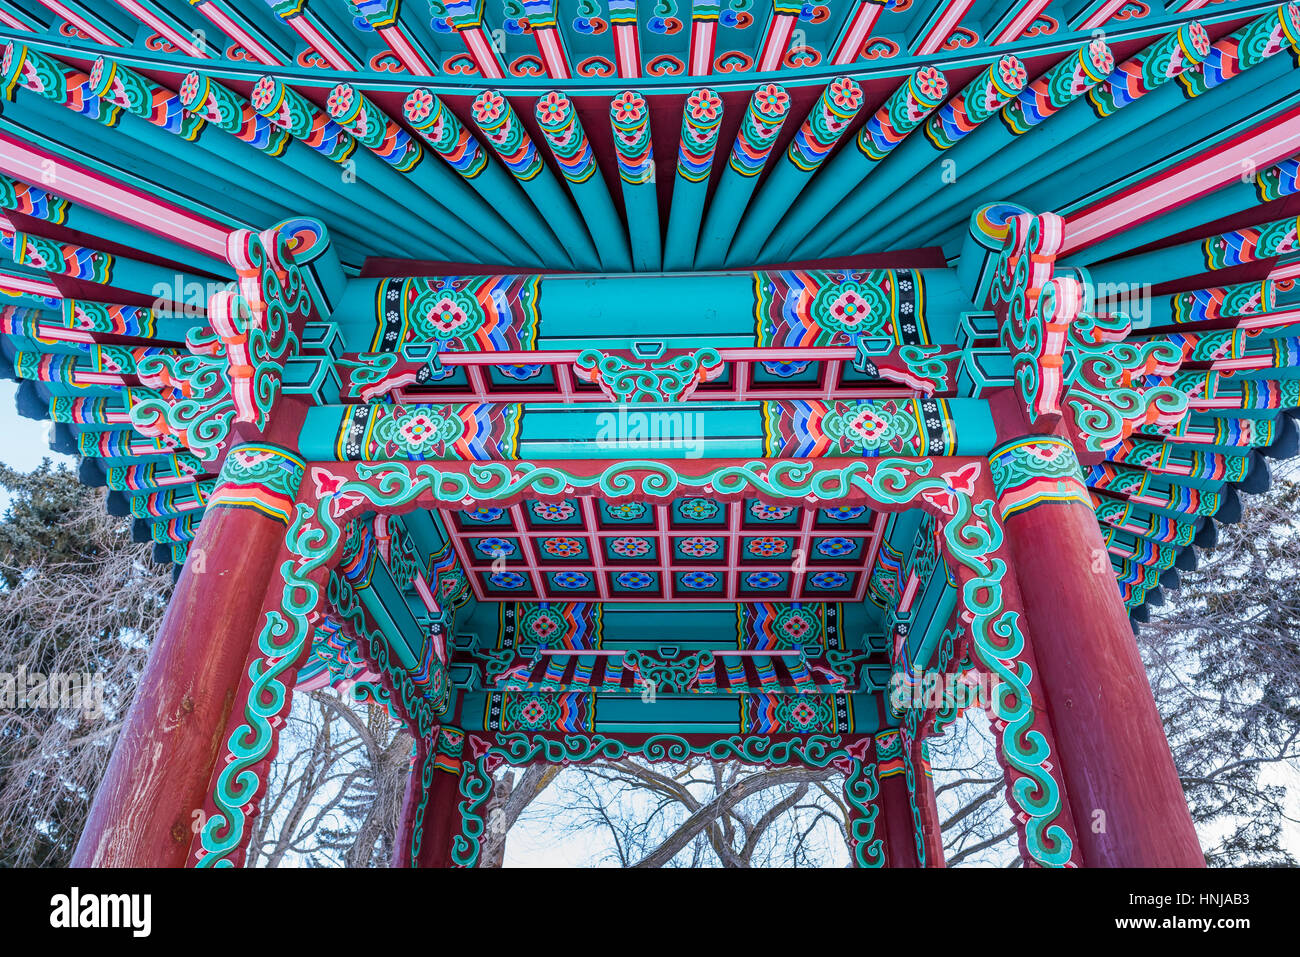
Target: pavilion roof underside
column 934, row 187
column 770, row 213
column 686, row 549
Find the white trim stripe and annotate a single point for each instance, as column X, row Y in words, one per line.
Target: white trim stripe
column 1176, row 187
column 864, row 21
column 23, row 162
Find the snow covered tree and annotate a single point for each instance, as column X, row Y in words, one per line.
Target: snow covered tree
column 78, row 600
column 1223, row 656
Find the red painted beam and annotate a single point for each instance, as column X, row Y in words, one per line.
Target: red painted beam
column 1262, row 146
column 776, row 42
column 860, row 27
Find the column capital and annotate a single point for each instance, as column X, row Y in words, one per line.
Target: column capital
column 262, row 477
column 1036, row 469
column 449, row 746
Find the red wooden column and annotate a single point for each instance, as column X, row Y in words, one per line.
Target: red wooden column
column 1119, row 773
column 896, row 827
column 410, row 819
column 925, row 811
column 431, row 808
column 145, row 809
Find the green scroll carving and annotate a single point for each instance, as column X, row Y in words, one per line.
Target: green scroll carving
column 968, row 523
column 233, row 372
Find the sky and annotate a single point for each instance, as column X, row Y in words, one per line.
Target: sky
column 23, row 442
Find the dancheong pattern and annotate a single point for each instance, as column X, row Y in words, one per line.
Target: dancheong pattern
column 777, row 441
column 775, row 625
column 1029, row 472
column 458, row 314
column 536, row 711
column 569, row 625
column 260, row 477
column 813, row 308
column 815, row 750
column 380, row 431
column 794, row 714
column 798, row 428
column 968, row 525
column 562, row 552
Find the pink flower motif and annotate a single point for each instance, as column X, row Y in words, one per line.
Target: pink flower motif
column 628, row 107
column 765, row 511
column 262, row 93
column 796, row 626
column 704, row 105
column 850, row 308
column 417, row 428
column 803, row 714
column 1200, row 39
column 189, row 88
column 931, row 83
column 630, row 547
column 544, row 626
column 1099, row 53
column 553, row 107
column 418, row 105
column 846, row 94
column 563, row 547
column 1013, row 72
column 766, row 546
column 340, row 100
column 698, row 546
column 447, row 316
column 488, row 106
column 533, row 712
column 866, row 424
column 772, row 100
column 553, row 511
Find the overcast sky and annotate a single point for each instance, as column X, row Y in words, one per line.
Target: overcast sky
column 23, row 442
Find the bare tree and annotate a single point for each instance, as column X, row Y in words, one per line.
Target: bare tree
column 975, row 821
column 79, row 600
column 334, row 791
column 699, row 813
column 1223, row 656
column 78, row 605
column 512, row 792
